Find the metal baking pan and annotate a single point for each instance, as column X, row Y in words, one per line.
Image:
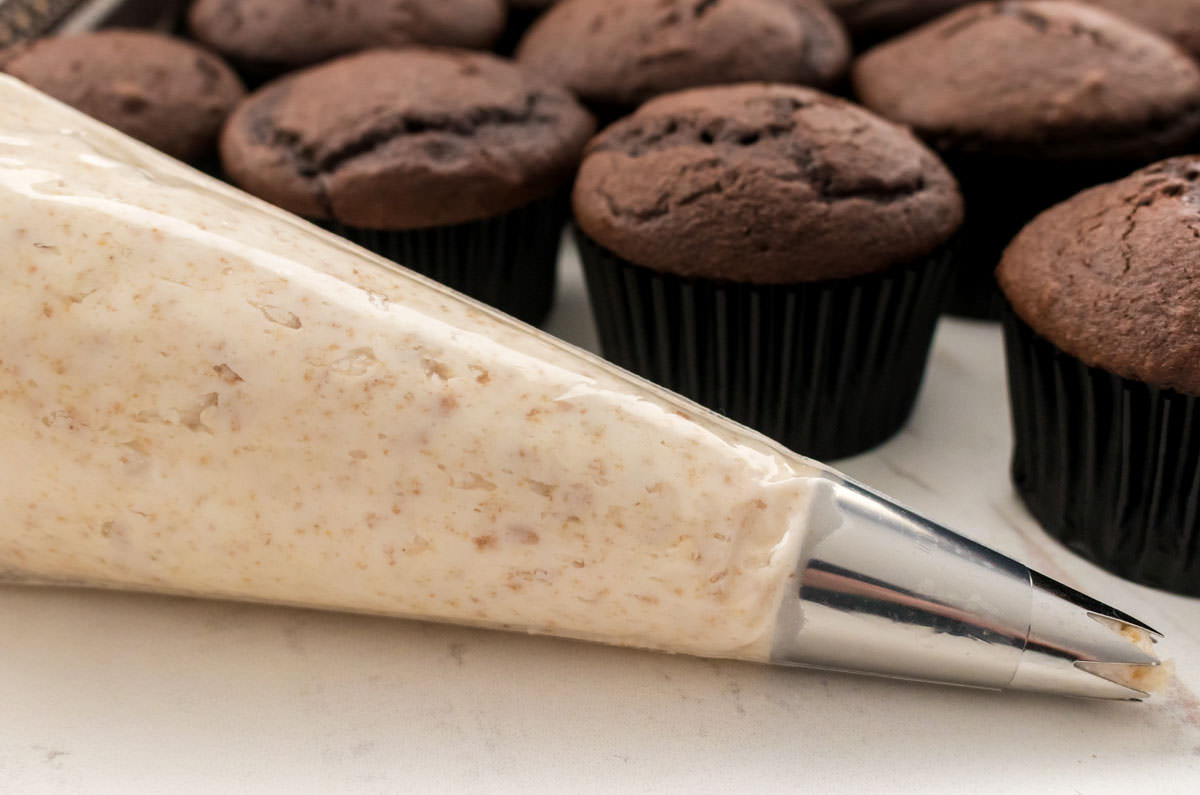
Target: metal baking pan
column 27, row 19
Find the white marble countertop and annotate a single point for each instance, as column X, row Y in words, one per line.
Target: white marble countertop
column 107, row 692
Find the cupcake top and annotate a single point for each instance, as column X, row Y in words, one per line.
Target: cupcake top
column 291, row 33
column 168, row 93
column 1177, row 19
column 763, row 184
column 622, row 52
column 878, row 17
column 1036, row 78
column 404, row 139
column 1112, row 275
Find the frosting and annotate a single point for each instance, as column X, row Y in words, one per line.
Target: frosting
column 201, row 394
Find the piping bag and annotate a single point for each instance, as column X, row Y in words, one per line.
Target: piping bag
column 203, row 395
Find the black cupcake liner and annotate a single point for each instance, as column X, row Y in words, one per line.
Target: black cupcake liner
column 509, row 261
column 1109, row 466
column 1001, row 196
column 211, row 165
column 829, row 369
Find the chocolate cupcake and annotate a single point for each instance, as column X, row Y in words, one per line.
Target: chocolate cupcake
column 169, row 93
column 1104, row 368
column 267, row 37
column 616, row 54
column 1029, row 103
column 452, row 163
column 873, row 20
column 1178, row 20
column 772, row 252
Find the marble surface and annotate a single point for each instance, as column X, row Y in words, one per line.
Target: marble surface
column 107, row 692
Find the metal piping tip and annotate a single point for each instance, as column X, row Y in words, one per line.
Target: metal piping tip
column 885, row 591
column 1088, row 603
column 1078, row 646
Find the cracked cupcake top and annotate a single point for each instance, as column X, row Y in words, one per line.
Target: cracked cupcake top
column 764, row 184
column 622, row 52
column 1036, row 78
column 290, row 33
column 1112, row 276
column 404, row 139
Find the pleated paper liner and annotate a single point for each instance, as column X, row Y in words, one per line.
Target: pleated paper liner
column 1001, row 196
column 509, row 261
column 828, row 369
column 1109, row 466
